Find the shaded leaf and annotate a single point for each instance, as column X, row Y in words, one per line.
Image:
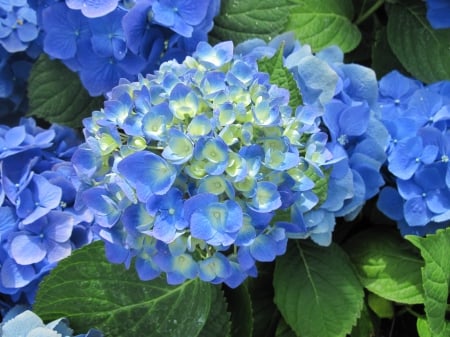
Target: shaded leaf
column 284, row 330
column 240, row 306
column 382, row 307
column 218, row 323
column 383, row 58
column 423, row 51
column 265, row 313
column 57, row 95
column 364, row 327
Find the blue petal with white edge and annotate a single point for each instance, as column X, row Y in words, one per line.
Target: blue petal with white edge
column 266, row 198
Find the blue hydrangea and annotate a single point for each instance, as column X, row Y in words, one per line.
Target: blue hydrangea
column 438, row 13
column 14, row 72
column 18, row 26
column 181, row 16
column 200, row 169
column 20, row 321
column 93, row 9
column 105, row 42
column 40, row 223
column 417, row 118
column 65, row 30
column 342, row 97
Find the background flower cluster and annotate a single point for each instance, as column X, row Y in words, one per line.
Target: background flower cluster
column 227, row 147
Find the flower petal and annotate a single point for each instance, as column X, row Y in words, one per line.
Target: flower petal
column 27, row 249
column 148, row 173
column 14, row 275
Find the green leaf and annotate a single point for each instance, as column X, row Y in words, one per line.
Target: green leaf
column 265, row 313
column 422, row 327
column 57, row 95
column 218, row 323
column 240, row 306
column 387, row 265
column 383, row 58
column 242, row 20
column 435, row 250
column 317, row 290
column 382, row 307
column 364, row 327
column 324, row 23
column 423, row 51
column 91, row 292
column 284, row 330
column 281, row 76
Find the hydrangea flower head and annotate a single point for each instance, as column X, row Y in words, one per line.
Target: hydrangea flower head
column 186, row 168
column 417, row 156
column 18, row 28
column 343, row 97
column 39, row 222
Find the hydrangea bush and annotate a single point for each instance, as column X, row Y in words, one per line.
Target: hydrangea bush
column 245, row 168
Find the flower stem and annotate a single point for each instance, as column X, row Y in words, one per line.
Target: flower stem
column 369, row 12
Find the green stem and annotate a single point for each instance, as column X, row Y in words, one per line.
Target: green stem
column 369, row 12
column 412, row 312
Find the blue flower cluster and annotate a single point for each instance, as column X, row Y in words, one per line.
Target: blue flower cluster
column 417, row 118
column 341, row 99
column 102, row 41
column 107, row 40
column 438, row 13
column 39, row 225
column 25, row 323
column 19, row 33
column 18, row 25
column 201, row 169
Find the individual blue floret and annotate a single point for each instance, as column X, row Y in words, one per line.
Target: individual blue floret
column 180, row 15
column 65, row 32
